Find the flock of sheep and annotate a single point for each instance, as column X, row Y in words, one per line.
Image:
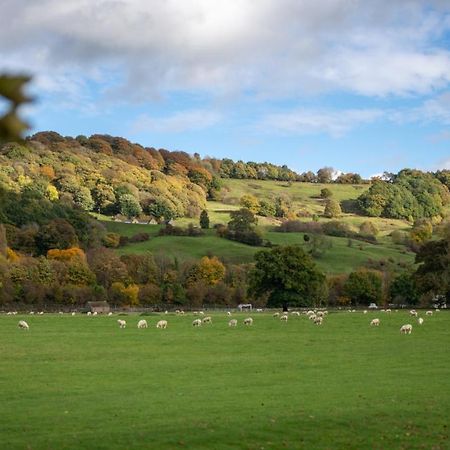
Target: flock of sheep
column 316, row 316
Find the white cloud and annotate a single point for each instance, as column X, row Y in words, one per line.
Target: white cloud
column 269, row 47
column 333, row 122
column 181, row 121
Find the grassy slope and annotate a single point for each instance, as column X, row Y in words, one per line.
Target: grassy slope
column 81, row 383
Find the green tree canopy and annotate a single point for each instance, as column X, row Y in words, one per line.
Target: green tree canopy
column 289, row 276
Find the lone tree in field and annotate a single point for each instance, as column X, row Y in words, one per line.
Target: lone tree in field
column 204, row 220
column 326, row 193
column 332, row 209
column 289, row 275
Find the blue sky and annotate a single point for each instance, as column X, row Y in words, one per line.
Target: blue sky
column 356, row 85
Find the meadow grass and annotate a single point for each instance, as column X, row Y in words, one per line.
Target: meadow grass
column 340, row 258
column 82, row 383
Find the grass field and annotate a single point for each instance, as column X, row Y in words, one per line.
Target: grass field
column 82, row 383
column 340, row 258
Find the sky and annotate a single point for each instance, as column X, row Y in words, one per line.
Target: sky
column 359, row 85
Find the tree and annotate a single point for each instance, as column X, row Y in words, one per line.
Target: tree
column 364, row 287
column 332, row 209
column 58, row 233
column 250, row 202
column 326, row 193
column 242, row 220
column 204, row 220
column 129, row 206
column 208, row 270
column 289, row 276
column 403, row 289
column 432, row 277
column 11, row 89
column 325, row 175
column 368, row 228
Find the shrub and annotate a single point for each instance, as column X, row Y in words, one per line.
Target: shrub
column 139, row 237
column 332, row 209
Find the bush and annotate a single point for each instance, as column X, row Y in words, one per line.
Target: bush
column 111, row 240
column 325, row 193
column 332, row 209
column 139, row 237
column 368, row 228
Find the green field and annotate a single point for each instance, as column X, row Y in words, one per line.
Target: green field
column 82, row 383
column 340, row 258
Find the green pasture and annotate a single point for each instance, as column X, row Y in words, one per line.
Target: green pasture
column 340, row 258
column 82, row 383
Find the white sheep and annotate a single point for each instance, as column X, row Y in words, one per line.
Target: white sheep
column 94, row 313
column 365, row 311
column 23, row 325
column 320, row 314
column 284, row 318
column 388, row 310
column 232, row 323
column 89, row 313
column 162, row 324
column 413, row 312
column 276, row 314
column 142, row 324
column 207, row 319
column 122, row 323
column 406, row 329
column 201, row 313
column 420, row 320
column 228, row 313
column 318, row 320
column 110, row 313
column 259, row 310
column 429, row 313
column 312, row 317
column 295, row 313
column 40, row 313
column 310, row 313
column 73, row 313
column 31, row 313
column 197, row 323
column 375, row 322
column 248, row 321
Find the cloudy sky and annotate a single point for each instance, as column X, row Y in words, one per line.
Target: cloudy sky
column 355, row 84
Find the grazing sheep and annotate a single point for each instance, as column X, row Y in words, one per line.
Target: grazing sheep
column 142, row 324
column 195, row 313
column 73, row 313
column 375, row 322
column 248, row 321
column 310, row 313
column 295, row 313
column 275, row 314
column 228, row 313
column 320, row 314
column 60, row 312
column 388, row 310
column 122, row 323
column 365, row 311
column 162, row 324
column 232, row 323
column 94, row 313
column 197, row 323
column 429, row 313
column 201, row 313
column 413, row 312
column 318, row 320
column 207, row 319
column 166, row 312
column 89, row 313
column 110, row 313
column 23, row 325
column 41, row 313
column 31, row 313
column 420, row 320
column 406, row 329
column 284, row 318
column 312, row 317
column 259, row 310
